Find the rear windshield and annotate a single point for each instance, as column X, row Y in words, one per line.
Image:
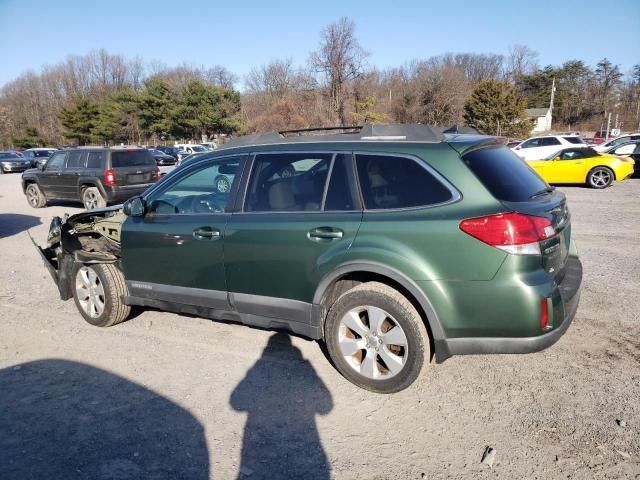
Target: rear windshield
column 134, row 158
column 504, row 174
column 42, row 153
column 9, row 155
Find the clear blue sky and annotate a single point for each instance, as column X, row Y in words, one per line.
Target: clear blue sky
column 242, row 34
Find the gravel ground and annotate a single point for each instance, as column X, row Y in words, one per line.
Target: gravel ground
column 171, row 396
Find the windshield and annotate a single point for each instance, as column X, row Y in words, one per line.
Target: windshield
column 198, row 148
column 504, row 174
column 9, row 155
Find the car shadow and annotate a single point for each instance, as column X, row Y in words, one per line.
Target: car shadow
column 13, row 223
column 67, row 420
column 282, row 394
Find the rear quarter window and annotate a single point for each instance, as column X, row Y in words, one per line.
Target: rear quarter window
column 504, row 174
column 132, row 158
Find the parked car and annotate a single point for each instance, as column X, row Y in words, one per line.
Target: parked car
column 389, row 244
column 630, row 149
column 192, row 148
column 165, row 162
column 542, row 146
column 36, row 155
column 211, row 146
column 585, row 166
column 173, row 151
column 630, row 137
column 94, row 176
column 12, row 162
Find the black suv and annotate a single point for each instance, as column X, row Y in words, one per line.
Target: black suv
column 95, row 176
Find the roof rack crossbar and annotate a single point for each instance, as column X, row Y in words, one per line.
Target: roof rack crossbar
column 356, row 128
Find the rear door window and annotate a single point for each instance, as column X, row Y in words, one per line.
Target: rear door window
column 75, row 159
column 95, row 159
column 504, row 174
column 549, row 142
column 389, row 182
column 131, row 158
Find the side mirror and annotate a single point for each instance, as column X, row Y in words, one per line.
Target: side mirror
column 555, row 159
column 134, row 207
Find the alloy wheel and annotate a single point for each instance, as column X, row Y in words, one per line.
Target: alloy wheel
column 90, row 200
column 600, row 178
column 372, row 342
column 90, row 292
column 32, row 196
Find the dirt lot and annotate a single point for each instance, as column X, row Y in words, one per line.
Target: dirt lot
column 170, row 396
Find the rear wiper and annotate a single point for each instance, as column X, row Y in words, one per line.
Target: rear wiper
column 545, row 191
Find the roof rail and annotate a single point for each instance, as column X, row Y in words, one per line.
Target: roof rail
column 390, row 133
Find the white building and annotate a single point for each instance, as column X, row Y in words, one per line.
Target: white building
column 541, row 118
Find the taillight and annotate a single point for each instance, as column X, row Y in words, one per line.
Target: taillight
column 544, row 314
column 515, row 233
column 109, row 177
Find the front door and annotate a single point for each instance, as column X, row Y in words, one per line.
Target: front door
column 299, row 217
column 175, row 251
column 568, row 167
column 50, row 179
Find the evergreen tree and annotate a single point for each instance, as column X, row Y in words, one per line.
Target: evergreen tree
column 79, row 119
column 31, row 139
column 494, row 108
column 155, row 105
column 204, row 109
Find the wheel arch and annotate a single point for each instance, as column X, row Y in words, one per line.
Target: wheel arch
column 601, row 166
column 352, row 273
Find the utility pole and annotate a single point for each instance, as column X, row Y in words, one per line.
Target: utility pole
column 608, row 127
column 553, row 96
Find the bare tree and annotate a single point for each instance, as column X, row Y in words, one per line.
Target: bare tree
column 339, row 59
column 520, row 61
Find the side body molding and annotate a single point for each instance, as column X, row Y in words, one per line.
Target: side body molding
column 441, row 349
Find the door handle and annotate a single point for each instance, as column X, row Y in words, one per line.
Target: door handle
column 579, row 163
column 325, row 233
column 206, row 233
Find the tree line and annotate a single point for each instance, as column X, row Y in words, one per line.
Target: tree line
column 102, row 98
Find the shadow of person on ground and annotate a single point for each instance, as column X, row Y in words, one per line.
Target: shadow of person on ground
column 282, row 394
column 66, row 420
column 13, row 223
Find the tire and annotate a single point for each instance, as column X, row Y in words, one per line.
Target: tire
column 91, row 198
column 600, row 177
column 222, row 183
column 35, row 197
column 384, row 372
column 105, row 307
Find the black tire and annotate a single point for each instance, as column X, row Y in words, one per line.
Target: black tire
column 91, row 198
column 401, row 311
column 35, row 197
column 600, row 177
column 115, row 289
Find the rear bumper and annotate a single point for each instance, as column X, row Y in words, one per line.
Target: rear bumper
column 569, row 290
column 119, row 194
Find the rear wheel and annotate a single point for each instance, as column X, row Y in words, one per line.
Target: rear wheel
column 600, row 177
column 35, row 197
column 376, row 338
column 98, row 291
column 91, row 198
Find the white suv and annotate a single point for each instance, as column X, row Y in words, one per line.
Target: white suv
column 537, row 148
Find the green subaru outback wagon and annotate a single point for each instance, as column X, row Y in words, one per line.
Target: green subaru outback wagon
column 395, row 245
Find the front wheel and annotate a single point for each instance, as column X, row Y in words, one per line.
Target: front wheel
column 222, row 183
column 98, row 291
column 600, row 177
column 91, row 198
column 35, row 197
column 376, row 338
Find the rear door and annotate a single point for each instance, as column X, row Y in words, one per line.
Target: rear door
column 299, row 216
column 133, row 167
column 73, row 169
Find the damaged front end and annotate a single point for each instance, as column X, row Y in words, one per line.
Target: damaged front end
column 87, row 237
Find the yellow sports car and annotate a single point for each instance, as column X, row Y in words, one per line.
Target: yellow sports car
column 583, row 165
